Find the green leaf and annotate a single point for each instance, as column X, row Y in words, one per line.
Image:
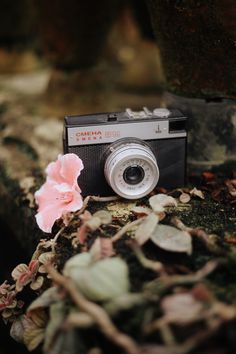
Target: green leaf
column 147, row 227
column 171, row 239
column 45, row 300
column 57, row 316
column 94, row 223
column 104, row 216
column 78, row 262
column 159, row 201
column 69, row 342
column 98, row 281
column 124, row 302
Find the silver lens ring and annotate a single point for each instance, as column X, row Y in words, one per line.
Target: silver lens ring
column 129, row 157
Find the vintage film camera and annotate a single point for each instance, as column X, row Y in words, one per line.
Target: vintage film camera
column 129, row 152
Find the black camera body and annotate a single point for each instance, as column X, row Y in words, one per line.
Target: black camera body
column 129, row 152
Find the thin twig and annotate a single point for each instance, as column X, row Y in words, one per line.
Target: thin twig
column 95, row 199
column 146, row 263
column 78, row 319
column 126, row 228
column 55, row 238
column 201, row 234
column 166, row 333
column 173, row 280
column 199, row 338
column 96, row 312
column 104, row 199
column 85, row 204
column 187, row 346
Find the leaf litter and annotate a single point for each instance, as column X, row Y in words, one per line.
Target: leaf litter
column 130, row 271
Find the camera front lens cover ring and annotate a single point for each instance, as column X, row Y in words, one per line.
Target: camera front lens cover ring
column 131, row 170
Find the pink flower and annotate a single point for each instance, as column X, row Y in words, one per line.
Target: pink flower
column 60, row 193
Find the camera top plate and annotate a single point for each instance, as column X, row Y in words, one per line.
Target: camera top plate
column 101, row 128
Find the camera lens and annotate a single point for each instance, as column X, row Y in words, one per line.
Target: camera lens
column 133, row 174
column 131, row 168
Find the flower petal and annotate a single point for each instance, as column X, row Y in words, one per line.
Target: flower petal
column 71, row 166
column 47, row 216
column 48, row 194
column 75, row 204
column 53, row 171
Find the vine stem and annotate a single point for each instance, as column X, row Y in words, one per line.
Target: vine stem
column 96, row 312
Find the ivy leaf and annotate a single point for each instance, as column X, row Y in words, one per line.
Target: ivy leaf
column 98, row 281
column 147, row 227
column 171, row 239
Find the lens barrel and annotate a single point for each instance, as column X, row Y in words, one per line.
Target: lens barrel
column 131, row 168
column 133, row 174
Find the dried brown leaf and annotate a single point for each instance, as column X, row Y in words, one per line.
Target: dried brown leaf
column 184, row 198
column 34, row 329
column 17, row 330
column 197, row 192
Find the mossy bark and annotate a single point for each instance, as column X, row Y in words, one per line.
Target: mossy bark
column 197, row 44
column 17, row 23
column 74, row 32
